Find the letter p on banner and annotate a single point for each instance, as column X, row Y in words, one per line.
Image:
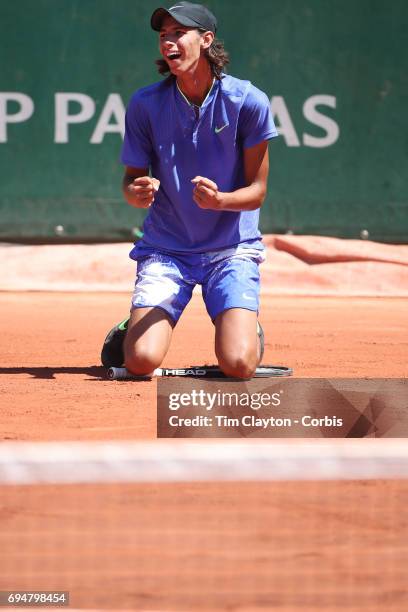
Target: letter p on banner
column 24, row 112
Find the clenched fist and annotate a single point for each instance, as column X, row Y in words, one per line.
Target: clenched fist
column 206, row 194
column 143, row 190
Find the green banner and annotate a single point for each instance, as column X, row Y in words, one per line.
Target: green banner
column 336, row 75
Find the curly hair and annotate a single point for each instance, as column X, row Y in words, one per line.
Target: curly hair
column 216, row 55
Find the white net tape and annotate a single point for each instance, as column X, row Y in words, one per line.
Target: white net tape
column 169, row 461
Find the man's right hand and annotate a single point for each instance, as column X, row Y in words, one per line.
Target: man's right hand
column 142, row 190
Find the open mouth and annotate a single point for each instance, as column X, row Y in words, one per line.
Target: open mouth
column 173, row 56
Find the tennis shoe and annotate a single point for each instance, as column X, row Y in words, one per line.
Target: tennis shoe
column 261, row 340
column 112, row 355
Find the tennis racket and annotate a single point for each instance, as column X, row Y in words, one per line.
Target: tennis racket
column 264, row 371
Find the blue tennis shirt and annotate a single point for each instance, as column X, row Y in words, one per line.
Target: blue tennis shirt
column 179, row 141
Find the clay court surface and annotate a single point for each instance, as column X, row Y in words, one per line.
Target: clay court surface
column 290, row 547
column 304, row 547
column 53, row 387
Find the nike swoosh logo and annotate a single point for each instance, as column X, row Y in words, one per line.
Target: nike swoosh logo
column 218, row 130
column 248, row 297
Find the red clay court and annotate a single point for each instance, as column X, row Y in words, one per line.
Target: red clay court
column 285, row 546
column 53, row 387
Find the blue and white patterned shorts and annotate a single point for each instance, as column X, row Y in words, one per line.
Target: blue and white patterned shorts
column 229, row 279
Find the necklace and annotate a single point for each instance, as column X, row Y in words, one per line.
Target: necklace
column 196, row 106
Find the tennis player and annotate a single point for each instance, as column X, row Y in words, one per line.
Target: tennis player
column 196, row 156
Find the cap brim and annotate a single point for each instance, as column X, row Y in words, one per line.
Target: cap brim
column 159, row 14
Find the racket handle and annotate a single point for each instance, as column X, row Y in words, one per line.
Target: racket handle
column 124, row 374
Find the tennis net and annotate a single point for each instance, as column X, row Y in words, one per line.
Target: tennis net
column 246, row 526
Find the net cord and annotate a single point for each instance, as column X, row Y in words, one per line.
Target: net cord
column 23, row 463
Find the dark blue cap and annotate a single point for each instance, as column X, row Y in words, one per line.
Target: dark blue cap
column 186, row 13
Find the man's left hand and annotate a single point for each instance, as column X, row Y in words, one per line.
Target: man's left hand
column 206, row 194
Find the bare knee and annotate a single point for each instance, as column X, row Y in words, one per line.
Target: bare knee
column 141, row 361
column 238, row 365
column 147, row 340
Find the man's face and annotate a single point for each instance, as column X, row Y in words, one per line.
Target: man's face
column 180, row 46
